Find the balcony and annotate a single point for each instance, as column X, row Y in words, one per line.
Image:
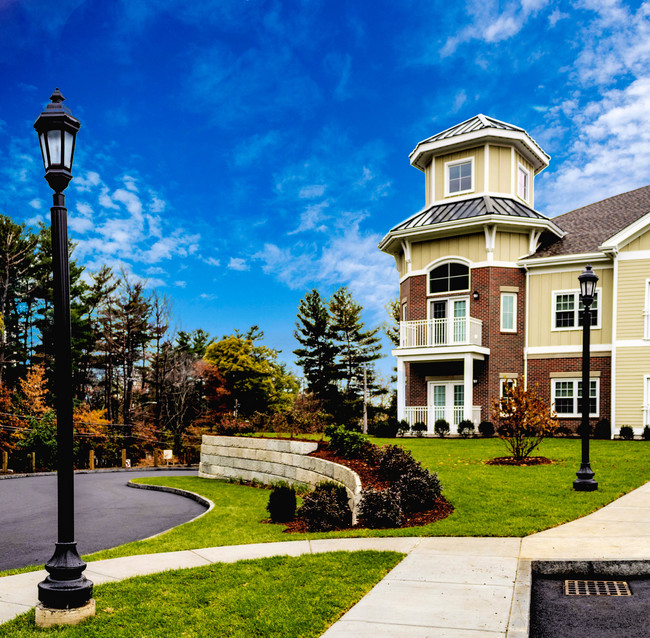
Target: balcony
column 429, row 414
column 433, row 333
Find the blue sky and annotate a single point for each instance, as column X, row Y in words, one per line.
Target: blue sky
column 236, row 154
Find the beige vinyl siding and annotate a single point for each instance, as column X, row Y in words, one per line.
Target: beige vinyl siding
column 400, row 262
column 470, row 247
column 479, row 169
column 541, row 314
column 632, row 276
column 500, row 169
column 640, row 243
column 427, row 185
column 632, row 363
column 510, row 246
column 531, row 178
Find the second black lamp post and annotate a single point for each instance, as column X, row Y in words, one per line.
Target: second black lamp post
column 588, row 280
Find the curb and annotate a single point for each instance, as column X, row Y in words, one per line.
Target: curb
column 161, row 468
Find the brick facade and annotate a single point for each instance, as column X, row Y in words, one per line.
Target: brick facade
column 539, row 371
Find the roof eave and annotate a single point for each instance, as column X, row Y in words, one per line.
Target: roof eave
column 420, row 154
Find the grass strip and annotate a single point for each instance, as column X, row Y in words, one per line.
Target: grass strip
column 280, row 596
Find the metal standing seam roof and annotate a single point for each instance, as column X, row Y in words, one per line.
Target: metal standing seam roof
column 475, row 123
column 467, row 209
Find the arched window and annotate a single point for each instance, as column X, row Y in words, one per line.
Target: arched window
column 449, row 277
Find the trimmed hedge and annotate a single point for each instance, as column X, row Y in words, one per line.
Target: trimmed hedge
column 282, row 503
column 326, row 508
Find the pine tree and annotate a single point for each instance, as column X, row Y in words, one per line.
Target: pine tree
column 317, row 356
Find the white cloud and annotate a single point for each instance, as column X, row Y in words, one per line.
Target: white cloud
column 312, row 191
column 208, row 296
column 311, row 218
column 37, row 204
column 180, row 284
column 211, row 261
column 237, row 263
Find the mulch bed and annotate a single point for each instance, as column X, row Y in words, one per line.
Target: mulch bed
column 370, row 480
column 509, row 460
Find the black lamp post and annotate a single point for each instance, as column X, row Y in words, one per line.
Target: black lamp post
column 65, row 587
column 588, row 280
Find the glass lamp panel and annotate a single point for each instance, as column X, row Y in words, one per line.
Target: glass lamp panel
column 68, row 147
column 54, row 145
column 41, row 139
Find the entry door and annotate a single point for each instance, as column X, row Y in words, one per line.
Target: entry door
column 449, row 321
column 446, row 401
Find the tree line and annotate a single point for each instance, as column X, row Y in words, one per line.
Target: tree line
column 139, row 383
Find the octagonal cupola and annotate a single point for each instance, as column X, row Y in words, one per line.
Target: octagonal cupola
column 481, row 156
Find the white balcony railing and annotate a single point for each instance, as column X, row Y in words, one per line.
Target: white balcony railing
column 646, row 415
column 430, row 333
column 429, row 414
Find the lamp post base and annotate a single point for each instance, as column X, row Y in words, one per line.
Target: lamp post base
column 65, row 588
column 585, row 481
column 48, row 617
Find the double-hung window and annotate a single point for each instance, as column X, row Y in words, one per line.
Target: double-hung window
column 567, row 397
column 568, row 309
column 508, row 312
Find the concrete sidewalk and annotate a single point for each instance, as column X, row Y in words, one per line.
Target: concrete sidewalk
column 445, row 587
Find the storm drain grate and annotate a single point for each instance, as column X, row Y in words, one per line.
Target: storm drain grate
column 596, row 588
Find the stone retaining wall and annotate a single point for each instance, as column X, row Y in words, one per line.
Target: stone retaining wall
column 272, row 460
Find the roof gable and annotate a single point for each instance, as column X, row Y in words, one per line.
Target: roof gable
column 475, row 123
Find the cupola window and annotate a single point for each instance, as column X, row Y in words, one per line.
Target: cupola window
column 460, row 176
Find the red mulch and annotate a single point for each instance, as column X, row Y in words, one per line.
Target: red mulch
column 370, row 480
column 509, row 460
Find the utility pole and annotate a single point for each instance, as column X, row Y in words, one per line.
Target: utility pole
column 365, row 400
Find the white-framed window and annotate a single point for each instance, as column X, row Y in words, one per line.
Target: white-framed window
column 523, row 181
column 568, row 308
column 567, row 396
column 449, row 277
column 646, row 311
column 459, row 176
column 508, row 312
column 506, row 383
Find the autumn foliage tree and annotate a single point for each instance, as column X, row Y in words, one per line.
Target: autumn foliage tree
column 523, row 420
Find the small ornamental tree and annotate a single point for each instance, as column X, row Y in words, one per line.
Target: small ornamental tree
column 523, row 419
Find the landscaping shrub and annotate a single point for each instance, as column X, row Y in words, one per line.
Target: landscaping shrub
column 282, row 503
column 380, row 508
column 347, row 443
column 466, row 428
column 387, row 429
column 603, row 429
column 524, row 419
column 326, row 508
column 419, row 428
column 441, row 428
column 394, row 462
column 626, row 433
column 646, row 433
column 486, row 428
column 418, row 489
column 563, row 431
column 403, row 427
column 231, row 425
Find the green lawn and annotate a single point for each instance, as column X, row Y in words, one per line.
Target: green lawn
column 488, row 500
column 265, row 598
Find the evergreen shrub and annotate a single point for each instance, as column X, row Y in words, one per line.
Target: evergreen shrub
column 403, row 427
column 466, row 428
column 326, row 508
column 394, row 462
column 486, row 428
column 626, row 433
column 387, row 429
column 441, row 428
column 646, row 433
column 348, row 443
column 603, row 429
column 418, row 489
column 419, row 428
column 282, row 503
column 380, row 508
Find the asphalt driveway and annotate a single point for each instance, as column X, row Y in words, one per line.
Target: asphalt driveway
column 108, row 513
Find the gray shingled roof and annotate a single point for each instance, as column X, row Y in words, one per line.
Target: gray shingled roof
column 475, row 123
column 468, row 208
column 589, row 227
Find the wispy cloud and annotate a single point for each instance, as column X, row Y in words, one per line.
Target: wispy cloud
column 237, row 263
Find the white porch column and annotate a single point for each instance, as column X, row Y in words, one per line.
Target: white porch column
column 468, row 380
column 401, row 389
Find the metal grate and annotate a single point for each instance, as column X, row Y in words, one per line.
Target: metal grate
column 596, row 588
